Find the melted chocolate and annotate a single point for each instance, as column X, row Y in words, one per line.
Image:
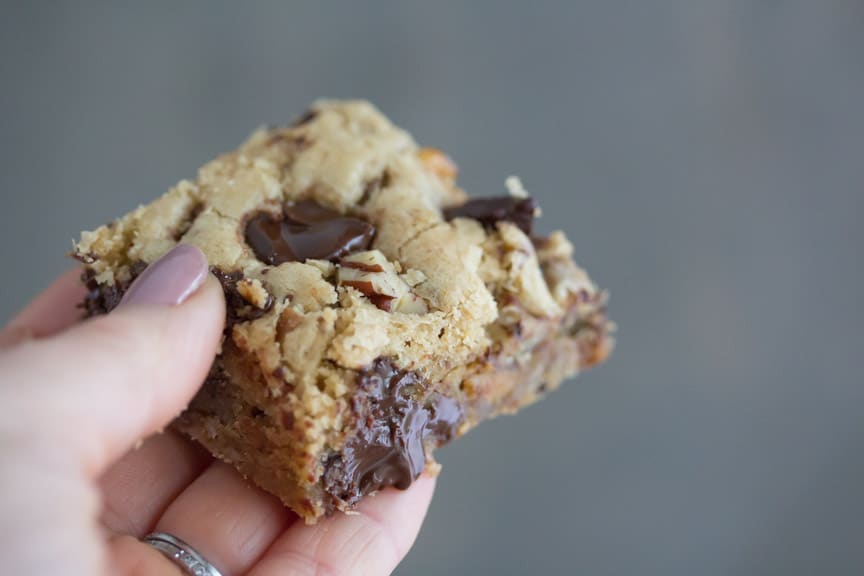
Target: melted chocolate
column 488, row 211
column 102, row 298
column 446, row 414
column 308, row 212
column 396, row 418
column 306, row 230
column 237, row 308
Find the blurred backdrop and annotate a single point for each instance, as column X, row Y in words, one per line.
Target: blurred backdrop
column 705, row 157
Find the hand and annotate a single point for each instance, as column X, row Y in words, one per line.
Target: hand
column 79, row 483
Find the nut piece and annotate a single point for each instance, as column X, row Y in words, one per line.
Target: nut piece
column 515, row 188
column 564, row 278
column 371, row 274
column 439, row 164
column 413, row 277
column 253, row 292
column 525, row 279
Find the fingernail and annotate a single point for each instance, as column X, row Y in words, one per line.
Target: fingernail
column 171, row 279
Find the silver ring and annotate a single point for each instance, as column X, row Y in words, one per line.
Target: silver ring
column 181, row 554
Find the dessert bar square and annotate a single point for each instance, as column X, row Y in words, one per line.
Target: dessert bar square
column 375, row 311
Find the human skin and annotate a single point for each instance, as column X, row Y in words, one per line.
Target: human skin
column 86, row 471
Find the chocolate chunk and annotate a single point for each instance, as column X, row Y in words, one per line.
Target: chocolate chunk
column 308, row 212
column 488, row 211
column 103, row 298
column 213, row 398
column 306, row 231
column 445, row 416
column 396, row 418
column 237, row 308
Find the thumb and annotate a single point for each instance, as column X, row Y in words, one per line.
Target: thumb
column 95, row 390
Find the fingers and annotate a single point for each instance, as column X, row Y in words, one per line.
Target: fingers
column 138, row 488
column 45, row 513
column 102, row 385
column 51, row 311
column 228, row 521
column 218, row 514
column 371, row 542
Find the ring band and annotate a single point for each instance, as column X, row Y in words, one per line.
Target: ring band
column 181, row 554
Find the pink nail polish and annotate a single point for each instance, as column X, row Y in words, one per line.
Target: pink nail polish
column 171, row 279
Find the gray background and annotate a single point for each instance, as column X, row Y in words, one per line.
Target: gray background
column 706, row 158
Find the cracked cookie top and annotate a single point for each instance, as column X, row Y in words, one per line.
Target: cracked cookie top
column 339, row 241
